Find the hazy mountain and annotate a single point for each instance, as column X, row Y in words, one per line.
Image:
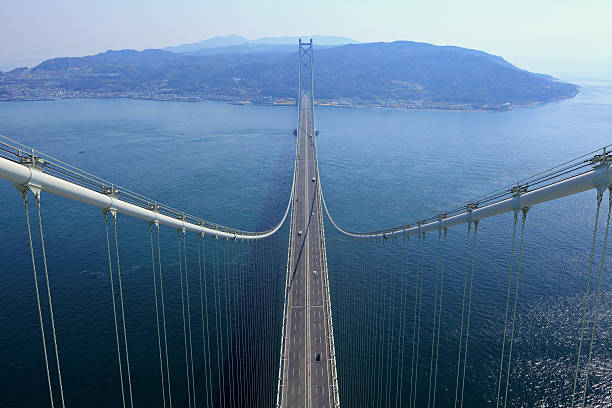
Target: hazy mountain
column 251, row 48
column 319, row 40
column 397, row 73
column 258, row 45
column 220, row 41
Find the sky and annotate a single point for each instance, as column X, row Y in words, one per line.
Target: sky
column 564, row 38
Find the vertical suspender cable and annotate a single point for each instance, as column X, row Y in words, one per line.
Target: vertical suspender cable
column 416, row 365
column 239, row 334
column 44, row 254
column 235, row 335
column 243, row 316
column 127, row 355
column 257, row 337
column 465, row 277
column 112, row 285
column 270, row 331
column 359, row 302
column 390, row 355
column 381, row 328
column 383, row 340
column 501, row 359
column 236, row 341
column 467, row 328
column 435, row 311
column 163, row 307
column 433, row 404
column 262, row 331
column 414, row 323
column 267, row 304
column 400, row 358
column 214, row 241
column 24, row 195
column 360, row 374
column 377, row 330
column 603, row 258
column 586, row 295
column 221, row 390
column 344, row 344
column 161, row 365
column 204, row 315
column 252, row 314
column 244, row 330
column 367, row 266
column 189, row 318
column 518, row 274
column 225, row 326
column 373, row 317
column 178, row 236
column 227, row 319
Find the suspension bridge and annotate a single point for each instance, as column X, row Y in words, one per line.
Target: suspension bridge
column 241, row 320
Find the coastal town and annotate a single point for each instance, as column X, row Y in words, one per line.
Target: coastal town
column 16, row 90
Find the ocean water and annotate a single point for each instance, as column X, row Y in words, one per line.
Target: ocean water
column 232, row 165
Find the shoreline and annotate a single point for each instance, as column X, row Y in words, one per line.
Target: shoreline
column 450, row 108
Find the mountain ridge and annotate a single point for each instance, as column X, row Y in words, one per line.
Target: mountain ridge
column 236, row 40
column 402, row 73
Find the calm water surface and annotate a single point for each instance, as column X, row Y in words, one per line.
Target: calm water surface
column 232, row 165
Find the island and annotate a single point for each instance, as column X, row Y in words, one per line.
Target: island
column 401, row 74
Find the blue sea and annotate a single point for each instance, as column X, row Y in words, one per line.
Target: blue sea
column 379, row 167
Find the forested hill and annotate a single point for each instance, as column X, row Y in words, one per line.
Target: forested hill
column 399, row 73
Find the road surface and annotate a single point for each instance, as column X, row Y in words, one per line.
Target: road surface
column 306, row 366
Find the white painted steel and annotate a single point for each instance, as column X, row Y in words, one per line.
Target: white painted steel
column 20, row 174
column 600, row 176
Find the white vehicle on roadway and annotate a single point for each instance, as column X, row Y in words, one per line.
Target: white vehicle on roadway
column 299, row 233
column 314, row 272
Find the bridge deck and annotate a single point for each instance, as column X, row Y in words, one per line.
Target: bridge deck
column 307, row 380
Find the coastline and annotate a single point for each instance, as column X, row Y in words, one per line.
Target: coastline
column 323, row 104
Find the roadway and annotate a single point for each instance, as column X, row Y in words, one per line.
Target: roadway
column 307, row 366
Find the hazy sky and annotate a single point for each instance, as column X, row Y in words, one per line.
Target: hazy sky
column 565, row 38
